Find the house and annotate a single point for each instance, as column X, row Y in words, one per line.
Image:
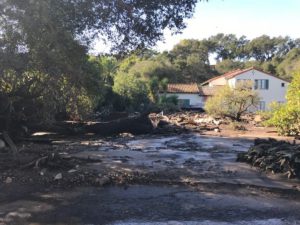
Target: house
column 269, row 87
column 190, row 96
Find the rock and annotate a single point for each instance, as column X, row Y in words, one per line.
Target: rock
column 2, row 144
column 43, row 172
column 102, row 181
column 217, row 122
column 257, row 118
column 58, row 176
column 8, row 180
column 72, row 171
column 217, row 130
column 204, row 120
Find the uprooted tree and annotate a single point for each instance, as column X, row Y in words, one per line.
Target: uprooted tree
column 44, row 66
column 233, row 102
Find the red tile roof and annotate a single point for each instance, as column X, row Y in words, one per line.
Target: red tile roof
column 183, row 88
column 193, row 89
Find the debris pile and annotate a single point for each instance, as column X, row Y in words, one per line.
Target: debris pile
column 185, row 121
column 274, row 156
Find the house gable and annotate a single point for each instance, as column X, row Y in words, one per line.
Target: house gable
column 255, row 74
column 225, row 78
column 269, row 87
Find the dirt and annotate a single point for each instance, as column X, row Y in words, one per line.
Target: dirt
column 187, row 178
column 251, row 132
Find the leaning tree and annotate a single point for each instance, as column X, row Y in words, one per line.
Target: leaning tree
column 44, row 45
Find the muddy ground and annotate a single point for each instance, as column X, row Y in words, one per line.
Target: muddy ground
column 186, row 178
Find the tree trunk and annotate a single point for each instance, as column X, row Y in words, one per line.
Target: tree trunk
column 134, row 125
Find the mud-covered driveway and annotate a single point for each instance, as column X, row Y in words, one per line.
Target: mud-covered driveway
column 183, row 179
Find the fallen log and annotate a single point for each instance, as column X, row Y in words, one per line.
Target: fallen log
column 135, row 125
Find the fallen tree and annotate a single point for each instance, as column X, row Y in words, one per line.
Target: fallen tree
column 135, row 125
column 274, row 156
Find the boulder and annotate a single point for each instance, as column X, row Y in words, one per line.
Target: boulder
column 8, row 180
column 102, row 181
column 2, row 144
column 58, row 176
column 257, row 118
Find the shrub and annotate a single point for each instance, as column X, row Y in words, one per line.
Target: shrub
column 235, row 125
column 168, row 103
column 134, row 90
column 232, row 102
column 286, row 118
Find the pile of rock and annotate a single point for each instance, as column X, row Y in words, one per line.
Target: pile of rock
column 274, row 156
column 184, row 121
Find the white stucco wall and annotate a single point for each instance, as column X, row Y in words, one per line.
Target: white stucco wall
column 275, row 92
column 195, row 99
column 217, row 82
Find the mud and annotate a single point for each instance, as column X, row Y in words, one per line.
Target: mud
column 182, row 179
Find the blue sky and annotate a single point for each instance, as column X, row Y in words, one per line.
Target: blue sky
column 251, row 18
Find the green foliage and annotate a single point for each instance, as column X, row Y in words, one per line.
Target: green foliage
column 37, row 97
column 154, row 68
column 173, row 99
column 268, row 114
column 261, row 48
column 286, row 118
column 133, row 89
column 156, row 86
column 289, row 64
column 228, row 65
column 190, row 58
column 139, row 81
column 232, row 102
column 140, row 25
column 228, row 46
column 168, row 103
column 44, row 66
column 277, row 55
column 104, row 67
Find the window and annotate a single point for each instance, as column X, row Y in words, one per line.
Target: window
column 261, row 84
column 282, row 84
column 262, row 106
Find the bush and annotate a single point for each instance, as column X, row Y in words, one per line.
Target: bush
column 232, row 102
column 133, row 89
column 235, row 125
column 286, row 118
column 168, row 103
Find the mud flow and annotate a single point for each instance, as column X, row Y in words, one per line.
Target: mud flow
column 179, row 179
